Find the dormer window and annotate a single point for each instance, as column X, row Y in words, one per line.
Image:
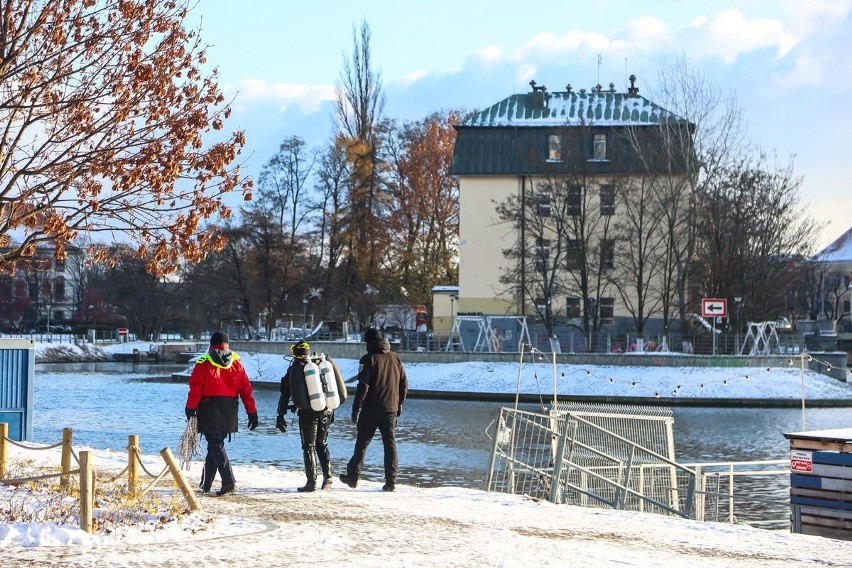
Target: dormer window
column 554, row 148
column 599, row 147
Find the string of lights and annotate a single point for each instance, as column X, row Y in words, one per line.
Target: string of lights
column 679, row 390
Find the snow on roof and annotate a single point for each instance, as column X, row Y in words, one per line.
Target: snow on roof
column 569, row 108
column 838, row 251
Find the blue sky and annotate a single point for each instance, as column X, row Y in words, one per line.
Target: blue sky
column 787, row 63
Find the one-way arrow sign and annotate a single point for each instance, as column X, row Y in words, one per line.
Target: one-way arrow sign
column 714, row 307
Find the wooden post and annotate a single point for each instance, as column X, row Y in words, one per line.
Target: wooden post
column 177, row 474
column 67, row 436
column 4, row 433
column 132, row 464
column 87, row 492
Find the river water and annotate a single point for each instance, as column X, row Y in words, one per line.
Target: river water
column 440, row 442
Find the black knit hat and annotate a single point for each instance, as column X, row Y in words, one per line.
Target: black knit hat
column 373, row 335
column 218, row 338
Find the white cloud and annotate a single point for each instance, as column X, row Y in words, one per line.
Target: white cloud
column 489, row 53
column 647, row 32
column 525, row 72
column 309, row 98
column 413, row 76
column 728, row 34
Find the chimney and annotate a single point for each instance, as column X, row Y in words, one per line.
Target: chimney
column 633, row 91
column 538, row 97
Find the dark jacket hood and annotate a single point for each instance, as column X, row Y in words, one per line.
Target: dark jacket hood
column 380, row 346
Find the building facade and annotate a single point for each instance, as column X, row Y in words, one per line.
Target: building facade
column 40, row 294
column 567, row 202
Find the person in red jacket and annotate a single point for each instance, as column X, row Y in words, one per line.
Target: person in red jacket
column 217, row 379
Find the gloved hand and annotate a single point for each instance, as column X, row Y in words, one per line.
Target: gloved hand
column 399, row 411
column 280, row 423
column 190, row 412
column 354, row 416
column 252, row 423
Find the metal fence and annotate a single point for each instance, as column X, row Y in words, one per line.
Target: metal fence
column 566, row 457
column 622, row 457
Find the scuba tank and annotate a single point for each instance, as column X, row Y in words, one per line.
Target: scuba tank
column 329, row 382
column 316, row 396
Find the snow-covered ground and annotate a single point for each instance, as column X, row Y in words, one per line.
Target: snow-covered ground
column 268, row 520
column 536, row 377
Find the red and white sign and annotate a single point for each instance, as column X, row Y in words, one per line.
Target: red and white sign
column 801, row 460
column 122, row 331
column 714, row 307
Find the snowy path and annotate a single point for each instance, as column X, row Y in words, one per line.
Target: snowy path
column 420, row 527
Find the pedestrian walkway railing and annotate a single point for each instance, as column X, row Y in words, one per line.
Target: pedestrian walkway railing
column 88, row 478
column 549, row 456
column 622, row 459
column 756, row 493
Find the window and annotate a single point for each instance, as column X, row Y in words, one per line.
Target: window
column 573, row 254
column 607, row 195
column 554, row 148
column 541, row 304
column 542, row 201
column 572, row 307
column 607, row 253
column 574, row 203
column 542, row 253
column 599, row 147
column 59, row 288
column 607, row 308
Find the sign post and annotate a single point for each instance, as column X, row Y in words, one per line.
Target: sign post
column 714, row 308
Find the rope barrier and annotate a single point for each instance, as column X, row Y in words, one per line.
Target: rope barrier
column 18, row 480
column 142, row 465
column 26, row 447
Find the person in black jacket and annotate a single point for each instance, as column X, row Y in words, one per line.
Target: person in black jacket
column 313, row 425
column 382, row 387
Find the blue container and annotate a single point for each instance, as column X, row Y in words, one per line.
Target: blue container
column 821, row 483
column 17, row 369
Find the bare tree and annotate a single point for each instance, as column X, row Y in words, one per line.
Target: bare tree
column 105, row 117
column 710, row 133
column 360, row 103
column 752, row 235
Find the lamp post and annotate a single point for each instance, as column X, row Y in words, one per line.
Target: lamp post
column 738, row 301
column 453, row 298
column 305, row 321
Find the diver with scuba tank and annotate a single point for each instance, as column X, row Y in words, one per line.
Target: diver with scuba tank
column 316, row 387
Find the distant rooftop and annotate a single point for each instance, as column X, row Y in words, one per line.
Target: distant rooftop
column 598, row 106
column 838, row 251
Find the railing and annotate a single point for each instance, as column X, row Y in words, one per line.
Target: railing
column 567, row 458
column 756, row 493
column 547, row 456
column 88, row 475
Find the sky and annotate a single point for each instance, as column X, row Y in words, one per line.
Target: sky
column 785, row 61
column 415, row 526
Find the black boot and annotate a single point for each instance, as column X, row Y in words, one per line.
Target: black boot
column 325, row 465
column 310, row 472
column 207, row 475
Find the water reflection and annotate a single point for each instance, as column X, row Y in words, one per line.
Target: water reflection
column 440, row 442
